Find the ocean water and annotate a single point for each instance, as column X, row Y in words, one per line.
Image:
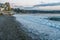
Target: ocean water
column 56, row 18
column 40, row 27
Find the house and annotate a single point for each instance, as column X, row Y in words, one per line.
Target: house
column 1, row 7
column 5, row 7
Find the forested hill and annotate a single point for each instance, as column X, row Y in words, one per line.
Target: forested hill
column 35, row 11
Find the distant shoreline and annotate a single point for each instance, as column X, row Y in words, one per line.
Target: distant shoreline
column 39, row 14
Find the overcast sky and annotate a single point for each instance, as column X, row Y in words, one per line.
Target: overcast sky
column 29, row 2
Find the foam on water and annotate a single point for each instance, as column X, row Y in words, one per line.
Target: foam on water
column 40, row 26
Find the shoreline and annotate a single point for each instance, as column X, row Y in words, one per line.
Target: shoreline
column 10, row 30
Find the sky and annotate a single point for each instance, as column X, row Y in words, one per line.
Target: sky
column 29, row 2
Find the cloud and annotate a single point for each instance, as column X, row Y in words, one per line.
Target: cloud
column 48, row 4
column 47, row 8
column 29, row 2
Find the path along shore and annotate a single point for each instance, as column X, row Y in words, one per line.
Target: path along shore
column 10, row 30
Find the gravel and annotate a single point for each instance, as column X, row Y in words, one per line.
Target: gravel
column 10, row 30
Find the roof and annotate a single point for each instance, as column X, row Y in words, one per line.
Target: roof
column 2, row 5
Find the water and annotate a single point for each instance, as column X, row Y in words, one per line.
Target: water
column 55, row 18
column 39, row 27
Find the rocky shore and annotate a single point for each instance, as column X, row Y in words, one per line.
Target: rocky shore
column 10, row 30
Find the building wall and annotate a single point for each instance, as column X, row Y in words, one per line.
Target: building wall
column 0, row 8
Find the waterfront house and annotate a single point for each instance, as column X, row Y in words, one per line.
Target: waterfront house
column 5, row 7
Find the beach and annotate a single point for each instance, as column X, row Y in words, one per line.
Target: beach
column 10, row 30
